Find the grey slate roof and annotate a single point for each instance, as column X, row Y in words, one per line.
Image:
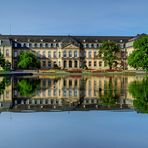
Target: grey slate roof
column 78, row 39
column 5, row 42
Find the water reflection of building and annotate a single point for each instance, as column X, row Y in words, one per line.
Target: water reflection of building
column 5, row 94
column 69, row 93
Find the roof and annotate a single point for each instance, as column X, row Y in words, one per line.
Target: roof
column 87, row 39
column 5, row 42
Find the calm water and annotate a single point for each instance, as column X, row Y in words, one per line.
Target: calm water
column 74, row 111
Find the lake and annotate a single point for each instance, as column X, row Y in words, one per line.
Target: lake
column 74, row 111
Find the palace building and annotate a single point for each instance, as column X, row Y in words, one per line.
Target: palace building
column 65, row 52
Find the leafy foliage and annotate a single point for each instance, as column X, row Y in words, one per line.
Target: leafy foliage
column 27, row 87
column 27, row 60
column 5, row 82
column 110, row 97
column 139, row 90
column 138, row 59
column 6, row 65
column 110, row 50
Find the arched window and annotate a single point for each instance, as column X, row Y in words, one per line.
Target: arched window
column 89, row 54
column 75, row 54
column 7, row 53
column 70, row 64
column 43, row 55
column 64, row 54
column 76, row 64
column 70, row 53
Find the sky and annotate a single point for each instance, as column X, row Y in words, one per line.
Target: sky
column 74, row 17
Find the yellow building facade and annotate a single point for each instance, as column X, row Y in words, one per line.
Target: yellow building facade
column 65, row 52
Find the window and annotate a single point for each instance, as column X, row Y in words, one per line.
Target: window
column 95, row 63
column 30, row 45
column 54, row 45
column 49, row 92
column 15, row 54
column 64, row 54
column 44, row 63
column 44, row 54
column 89, row 63
column 7, row 53
column 105, row 64
column 75, row 54
column 49, row 54
column 100, row 63
column 55, row 54
column 100, row 54
column 84, row 53
column 27, row 45
column 15, row 45
column 89, row 45
column 59, row 54
column 22, row 44
column 95, row 53
column 95, row 45
column 33, row 45
column 89, row 54
column 49, row 64
column 38, row 54
column 49, row 45
column 75, row 92
column 84, row 45
column 70, row 53
column 38, row 45
column 43, row 45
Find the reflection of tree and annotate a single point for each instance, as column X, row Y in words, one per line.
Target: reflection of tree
column 27, row 87
column 139, row 90
column 110, row 96
column 5, row 82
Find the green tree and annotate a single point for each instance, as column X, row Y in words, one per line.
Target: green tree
column 110, row 50
column 138, row 59
column 4, row 83
column 27, row 60
column 110, row 98
column 6, row 65
column 27, row 87
column 139, row 91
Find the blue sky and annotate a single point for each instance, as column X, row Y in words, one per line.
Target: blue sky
column 74, row 17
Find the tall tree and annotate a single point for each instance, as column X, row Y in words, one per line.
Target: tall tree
column 27, row 60
column 139, row 91
column 6, row 65
column 110, row 50
column 138, row 59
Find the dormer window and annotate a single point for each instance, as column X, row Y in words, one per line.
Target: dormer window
column 84, row 40
column 38, row 45
column 95, row 45
column 41, row 40
column 54, row 45
column 89, row 45
column 27, row 45
column 84, row 45
column 15, row 45
column 49, row 45
column 54, row 40
column 43, row 45
column 33, row 45
column 22, row 44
